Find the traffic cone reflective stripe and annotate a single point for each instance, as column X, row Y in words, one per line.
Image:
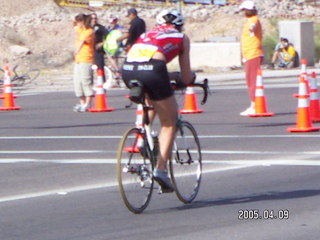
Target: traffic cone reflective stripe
column 139, row 139
column 314, row 98
column 100, row 97
column 304, row 123
column 303, row 76
column 260, row 100
column 190, row 102
column 6, row 80
column 304, row 62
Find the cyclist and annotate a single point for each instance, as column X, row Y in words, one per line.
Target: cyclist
column 146, row 61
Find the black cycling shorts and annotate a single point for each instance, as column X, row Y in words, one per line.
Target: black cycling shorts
column 153, row 75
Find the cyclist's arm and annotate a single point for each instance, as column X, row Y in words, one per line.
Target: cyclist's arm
column 184, row 61
column 124, row 36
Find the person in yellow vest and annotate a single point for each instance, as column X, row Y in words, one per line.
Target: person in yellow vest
column 251, row 50
column 111, row 45
column 284, row 55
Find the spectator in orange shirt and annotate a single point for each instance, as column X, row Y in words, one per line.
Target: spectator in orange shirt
column 84, row 58
column 251, row 50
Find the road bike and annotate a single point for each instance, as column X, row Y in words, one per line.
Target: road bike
column 18, row 79
column 137, row 156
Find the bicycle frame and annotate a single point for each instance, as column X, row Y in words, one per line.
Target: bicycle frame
column 145, row 126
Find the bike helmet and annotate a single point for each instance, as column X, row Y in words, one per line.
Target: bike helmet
column 171, row 17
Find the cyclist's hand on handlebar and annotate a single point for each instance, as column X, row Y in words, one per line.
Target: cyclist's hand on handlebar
column 176, row 80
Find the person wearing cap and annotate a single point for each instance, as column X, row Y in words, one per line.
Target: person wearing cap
column 251, row 50
column 100, row 33
column 137, row 27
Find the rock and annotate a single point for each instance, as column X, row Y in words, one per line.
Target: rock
column 19, row 51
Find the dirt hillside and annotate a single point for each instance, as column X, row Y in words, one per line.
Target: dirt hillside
column 38, row 33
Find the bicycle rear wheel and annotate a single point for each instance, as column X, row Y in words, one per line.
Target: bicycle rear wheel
column 134, row 170
column 186, row 163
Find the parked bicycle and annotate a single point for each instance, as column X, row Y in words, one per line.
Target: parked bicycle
column 19, row 79
column 137, row 156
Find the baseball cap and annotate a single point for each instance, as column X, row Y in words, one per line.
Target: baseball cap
column 249, row 5
column 132, row 11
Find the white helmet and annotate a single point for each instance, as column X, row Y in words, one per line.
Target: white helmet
column 170, row 16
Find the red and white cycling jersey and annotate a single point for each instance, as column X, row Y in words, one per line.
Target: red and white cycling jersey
column 165, row 39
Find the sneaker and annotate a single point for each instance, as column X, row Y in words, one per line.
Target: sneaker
column 248, row 111
column 271, row 66
column 163, row 179
column 77, row 107
column 84, row 108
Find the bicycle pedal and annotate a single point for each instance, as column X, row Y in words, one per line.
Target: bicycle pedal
column 162, row 190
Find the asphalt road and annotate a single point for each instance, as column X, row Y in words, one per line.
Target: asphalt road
column 58, row 179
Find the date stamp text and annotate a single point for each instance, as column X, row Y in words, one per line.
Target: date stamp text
column 255, row 214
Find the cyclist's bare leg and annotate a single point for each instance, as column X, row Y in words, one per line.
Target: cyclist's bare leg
column 167, row 112
column 151, row 113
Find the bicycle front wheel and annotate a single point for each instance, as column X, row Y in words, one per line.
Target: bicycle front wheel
column 186, row 163
column 32, row 75
column 134, row 170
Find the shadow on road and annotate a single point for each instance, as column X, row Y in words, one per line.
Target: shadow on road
column 253, row 198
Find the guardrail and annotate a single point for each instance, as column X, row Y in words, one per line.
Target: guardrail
column 108, row 3
column 163, row 3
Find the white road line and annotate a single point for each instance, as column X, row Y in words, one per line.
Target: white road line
column 49, row 151
column 273, row 162
column 58, row 137
column 65, row 191
column 113, row 160
column 59, row 161
column 201, row 136
column 259, row 152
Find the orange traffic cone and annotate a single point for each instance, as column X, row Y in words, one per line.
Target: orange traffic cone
column 304, row 123
column 139, row 140
column 314, row 99
column 8, row 103
column 100, row 97
column 190, row 102
column 260, row 100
